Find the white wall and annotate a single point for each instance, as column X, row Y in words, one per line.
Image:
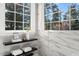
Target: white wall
column 7, row 35
column 57, row 43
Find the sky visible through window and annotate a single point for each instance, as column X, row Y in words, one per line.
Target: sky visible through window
column 63, row 7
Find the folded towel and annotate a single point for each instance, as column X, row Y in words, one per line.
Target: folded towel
column 26, row 49
column 16, row 52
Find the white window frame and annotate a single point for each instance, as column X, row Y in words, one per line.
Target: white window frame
column 32, row 20
column 50, row 30
column 20, row 14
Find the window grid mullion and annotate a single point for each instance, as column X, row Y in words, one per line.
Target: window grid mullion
column 23, row 16
column 14, row 17
column 69, row 17
column 50, row 20
column 59, row 21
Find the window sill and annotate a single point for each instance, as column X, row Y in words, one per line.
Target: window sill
column 60, row 31
column 18, row 31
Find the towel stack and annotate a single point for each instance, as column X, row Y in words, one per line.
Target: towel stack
column 26, row 49
column 16, row 52
column 20, row 51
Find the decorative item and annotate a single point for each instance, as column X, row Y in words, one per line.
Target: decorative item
column 24, row 36
column 28, row 34
column 16, row 37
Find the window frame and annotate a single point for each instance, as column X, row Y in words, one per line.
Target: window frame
column 22, row 18
column 51, row 30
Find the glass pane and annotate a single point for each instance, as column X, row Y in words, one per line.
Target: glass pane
column 47, row 26
column 75, row 25
column 9, row 16
column 55, row 26
column 48, row 11
column 73, row 11
column 56, row 17
column 48, row 18
column 65, row 17
column 19, row 26
column 26, row 18
column 19, row 17
column 9, row 6
column 47, row 5
column 64, row 25
column 9, row 25
column 73, row 14
column 26, row 10
column 27, row 26
column 19, row 9
column 27, row 4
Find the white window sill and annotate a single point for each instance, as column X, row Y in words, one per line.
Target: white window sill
column 18, row 31
column 50, row 31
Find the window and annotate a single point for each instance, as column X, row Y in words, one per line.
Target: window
column 62, row 16
column 17, row 16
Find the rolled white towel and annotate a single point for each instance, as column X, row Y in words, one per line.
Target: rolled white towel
column 26, row 49
column 16, row 52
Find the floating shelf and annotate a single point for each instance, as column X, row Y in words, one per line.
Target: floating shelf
column 11, row 43
column 29, row 53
